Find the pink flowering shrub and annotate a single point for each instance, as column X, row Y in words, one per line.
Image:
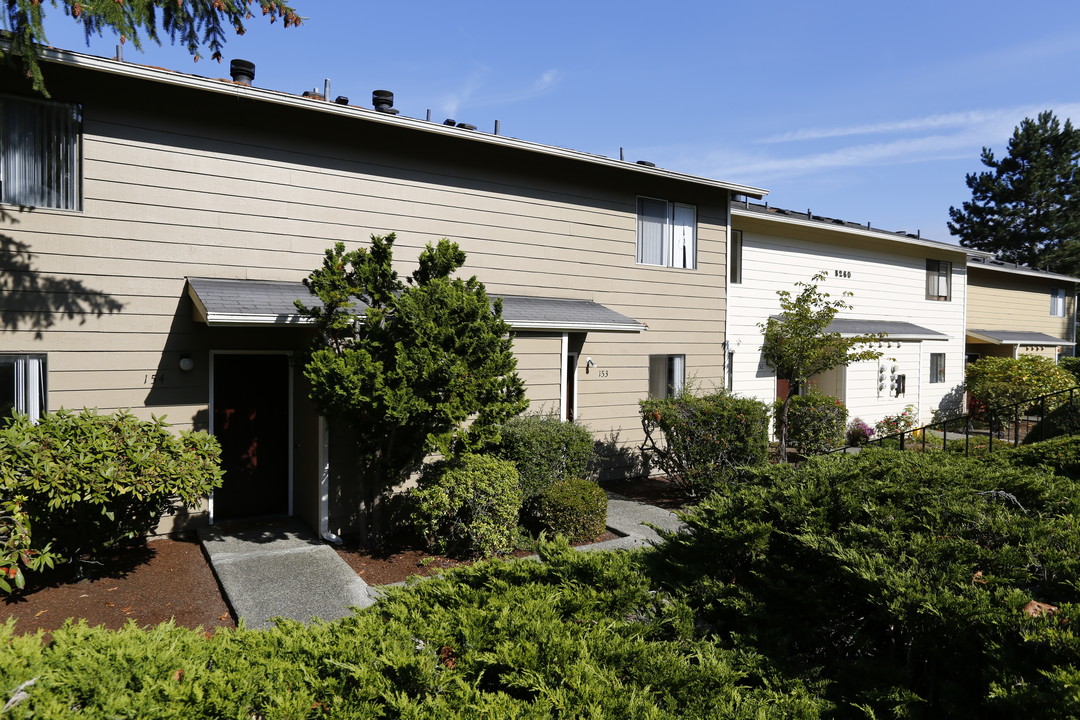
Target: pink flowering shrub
column 858, row 432
column 901, row 422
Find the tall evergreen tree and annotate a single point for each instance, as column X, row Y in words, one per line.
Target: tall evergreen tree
column 408, row 366
column 1026, row 208
column 196, row 24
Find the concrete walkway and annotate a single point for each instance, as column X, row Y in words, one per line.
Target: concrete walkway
column 279, row 568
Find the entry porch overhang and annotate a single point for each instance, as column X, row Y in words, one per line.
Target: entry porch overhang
column 1015, row 337
column 893, row 329
column 254, row 303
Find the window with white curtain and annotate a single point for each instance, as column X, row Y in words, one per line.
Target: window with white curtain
column 40, row 154
column 22, row 385
column 667, row 375
column 1057, row 302
column 938, row 280
column 667, row 234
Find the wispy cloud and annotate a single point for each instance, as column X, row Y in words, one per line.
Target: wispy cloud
column 969, row 119
column 950, row 136
column 468, row 95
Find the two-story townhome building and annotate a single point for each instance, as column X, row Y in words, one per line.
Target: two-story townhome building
column 1017, row 310
column 156, row 227
column 910, row 288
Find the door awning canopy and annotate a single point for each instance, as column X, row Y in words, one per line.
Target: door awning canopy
column 893, row 329
column 240, row 303
column 1015, row 337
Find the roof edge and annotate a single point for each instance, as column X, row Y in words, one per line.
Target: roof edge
column 278, row 97
column 877, row 234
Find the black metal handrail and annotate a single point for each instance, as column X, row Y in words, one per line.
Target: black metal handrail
column 1034, row 413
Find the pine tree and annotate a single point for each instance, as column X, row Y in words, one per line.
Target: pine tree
column 196, row 24
column 798, row 345
column 1026, row 208
column 421, row 365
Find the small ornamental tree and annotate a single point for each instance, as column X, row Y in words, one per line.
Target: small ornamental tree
column 409, row 366
column 798, row 344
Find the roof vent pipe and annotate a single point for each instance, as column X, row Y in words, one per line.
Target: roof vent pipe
column 242, row 71
column 383, row 101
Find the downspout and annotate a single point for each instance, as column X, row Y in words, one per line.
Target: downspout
column 324, row 485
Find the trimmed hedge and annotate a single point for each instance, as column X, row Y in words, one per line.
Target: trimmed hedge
column 573, row 507
column 87, row 482
column 816, row 422
column 704, row 439
column 544, row 448
column 468, row 505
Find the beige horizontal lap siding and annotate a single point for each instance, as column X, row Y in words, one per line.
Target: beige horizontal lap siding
column 166, row 199
column 1004, row 301
column 539, row 366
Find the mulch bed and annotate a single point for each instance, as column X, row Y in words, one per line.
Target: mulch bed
column 146, row 584
column 153, row 582
column 403, row 562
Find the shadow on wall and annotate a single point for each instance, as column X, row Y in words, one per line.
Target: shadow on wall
column 30, row 300
column 615, row 460
column 951, row 405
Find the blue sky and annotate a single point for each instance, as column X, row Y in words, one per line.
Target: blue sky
column 867, row 111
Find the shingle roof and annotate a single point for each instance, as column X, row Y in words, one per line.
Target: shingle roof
column 1017, row 337
column 271, row 302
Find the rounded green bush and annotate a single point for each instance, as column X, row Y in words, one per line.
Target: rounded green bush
column 88, row 482
column 816, row 422
column 573, row 507
column 469, row 505
column 544, row 449
column 704, row 439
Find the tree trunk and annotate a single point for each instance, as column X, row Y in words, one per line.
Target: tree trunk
column 782, row 420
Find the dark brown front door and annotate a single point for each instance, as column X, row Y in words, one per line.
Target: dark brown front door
column 251, row 421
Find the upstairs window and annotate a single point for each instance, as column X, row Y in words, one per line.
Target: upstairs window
column 22, row 385
column 667, row 234
column 667, row 375
column 40, row 154
column 938, row 280
column 1057, row 302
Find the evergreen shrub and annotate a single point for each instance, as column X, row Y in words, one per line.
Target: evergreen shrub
column 903, row 581
column 816, row 422
column 468, row 505
column 1060, row 455
column 544, row 448
column 573, row 635
column 704, row 439
column 573, row 507
column 88, row 481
